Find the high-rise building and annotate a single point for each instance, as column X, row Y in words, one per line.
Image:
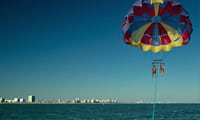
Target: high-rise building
column 31, row 99
column 2, row 100
column 15, row 100
column 21, row 100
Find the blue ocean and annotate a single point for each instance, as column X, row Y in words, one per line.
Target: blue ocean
column 98, row 112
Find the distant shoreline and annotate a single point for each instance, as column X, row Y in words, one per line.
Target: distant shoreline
column 88, row 103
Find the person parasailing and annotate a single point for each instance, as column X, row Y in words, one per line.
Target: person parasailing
column 162, row 69
column 154, row 71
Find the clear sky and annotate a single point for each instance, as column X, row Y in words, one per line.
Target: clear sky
column 63, row 49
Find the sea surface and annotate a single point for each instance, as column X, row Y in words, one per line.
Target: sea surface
column 98, row 112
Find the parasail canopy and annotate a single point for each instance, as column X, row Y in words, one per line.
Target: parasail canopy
column 157, row 25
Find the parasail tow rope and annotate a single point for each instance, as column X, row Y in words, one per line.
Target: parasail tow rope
column 155, row 97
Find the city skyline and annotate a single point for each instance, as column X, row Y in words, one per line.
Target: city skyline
column 68, row 49
column 32, row 99
column 22, row 100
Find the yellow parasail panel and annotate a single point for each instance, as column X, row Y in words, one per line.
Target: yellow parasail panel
column 137, row 36
column 156, row 8
column 176, row 38
column 156, row 1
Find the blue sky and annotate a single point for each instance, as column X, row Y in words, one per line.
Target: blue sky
column 63, row 49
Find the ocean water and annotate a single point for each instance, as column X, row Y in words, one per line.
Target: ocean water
column 98, row 112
